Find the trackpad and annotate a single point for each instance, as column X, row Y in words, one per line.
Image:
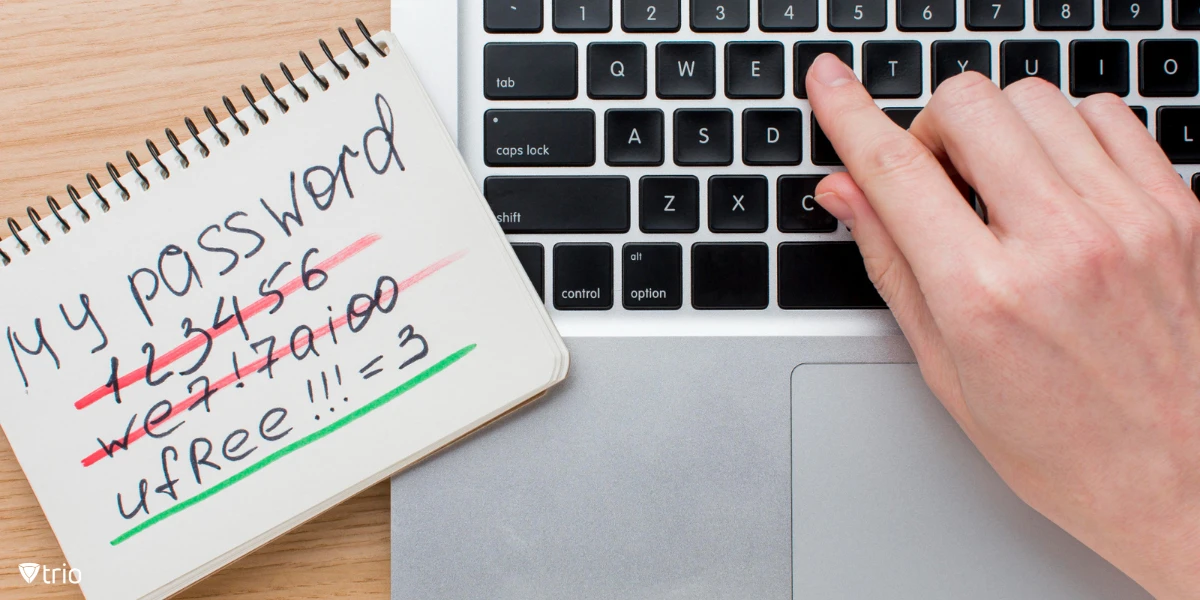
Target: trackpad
column 891, row 500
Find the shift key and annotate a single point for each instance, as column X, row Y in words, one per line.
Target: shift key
column 539, row 138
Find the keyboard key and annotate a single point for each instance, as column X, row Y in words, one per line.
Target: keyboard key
column 533, row 260
column 819, row 275
column 669, row 204
column 857, row 15
column 797, row 207
column 1146, row 15
column 652, row 276
column 530, row 71
column 633, row 138
column 1099, row 66
column 583, row 277
column 995, row 15
column 583, row 16
column 787, row 15
column 823, row 154
column 807, row 52
column 730, row 276
column 644, row 16
column 951, row 58
column 1168, row 68
column 1196, row 185
column 704, row 137
column 687, row 70
column 1186, row 14
column 903, row 117
column 559, row 204
column 1051, row 15
column 926, row 15
column 616, row 70
column 737, row 204
column 539, row 138
column 892, row 69
column 1142, row 114
column 512, row 16
column 720, row 15
column 754, row 70
column 772, row 136
column 1021, row 59
column 1179, row 133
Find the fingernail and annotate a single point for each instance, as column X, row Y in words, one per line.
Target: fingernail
column 831, row 71
column 837, row 207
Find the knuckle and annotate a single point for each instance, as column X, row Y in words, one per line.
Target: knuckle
column 1101, row 104
column 963, row 90
column 1031, row 90
column 990, row 294
column 897, row 155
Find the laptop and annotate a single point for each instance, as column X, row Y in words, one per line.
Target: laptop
column 743, row 418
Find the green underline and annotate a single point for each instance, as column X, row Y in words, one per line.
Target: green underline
column 296, row 445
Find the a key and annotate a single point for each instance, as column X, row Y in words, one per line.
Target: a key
column 583, row 16
column 1022, row 58
column 1142, row 114
column 686, row 70
column 616, row 70
column 754, row 70
column 892, row 69
column 533, row 260
column 1179, row 133
column 730, row 276
column 1099, row 66
column 559, row 204
column 1186, row 14
column 633, row 138
column 1145, row 15
column 857, row 15
column 646, row 16
column 512, row 16
column 652, row 276
column 1168, row 68
column 823, row 154
column 797, row 206
column 995, row 15
column 925, row 15
column 822, row 275
column 704, row 137
column 903, row 117
column 669, row 204
column 787, row 15
column 583, row 277
column 539, row 138
column 807, row 52
column 529, row 71
column 737, row 204
column 951, row 58
column 1052, row 15
column 772, row 136
column 720, row 15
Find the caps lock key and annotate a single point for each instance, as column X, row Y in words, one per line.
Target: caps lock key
column 539, row 138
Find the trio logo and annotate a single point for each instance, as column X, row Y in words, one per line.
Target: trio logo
column 63, row 575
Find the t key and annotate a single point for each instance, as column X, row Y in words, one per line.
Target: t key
column 892, row 69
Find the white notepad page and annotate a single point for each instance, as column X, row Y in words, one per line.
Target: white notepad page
column 395, row 316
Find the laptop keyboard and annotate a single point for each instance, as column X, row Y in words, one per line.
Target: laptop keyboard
column 660, row 155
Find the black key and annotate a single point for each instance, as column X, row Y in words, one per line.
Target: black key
column 903, row 117
column 669, row 204
column 687, row 70
column 1196, row 185
column 652, row 276
column 892, row 69
column 730, row 276
column 1146, row 15
column 823, row 154
column 583, row 16
column 772, row 136
column 925, row 15
column 533, row 259
column 995, row 15
column 1142, row 114
column 807, row 52
column 539, row 138
column 820, row 275
column 583, row 277
column 737, row 204
column 704, row 137
column 1021, row 59
column 787, row 15
column 1179, row 133
column 754, row 70
column 1099, row 66
column 1063, row 14
column 857, row 15
column 530, row 71
column 559, row 204
column 643, row 16
column 616, row 70
column 1168, row 68
column 1186, row 14
column 720, row 15
column 798, row 210
column 633, row 138
column 953, row 58
column 512, row 16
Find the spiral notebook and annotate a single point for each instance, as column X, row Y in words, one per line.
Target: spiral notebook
column 265, row 318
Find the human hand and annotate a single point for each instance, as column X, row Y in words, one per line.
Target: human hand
column 1064, row 335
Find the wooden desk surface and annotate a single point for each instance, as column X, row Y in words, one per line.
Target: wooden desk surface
column 83, row 81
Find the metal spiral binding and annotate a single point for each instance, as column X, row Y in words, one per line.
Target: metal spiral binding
column 160, row 166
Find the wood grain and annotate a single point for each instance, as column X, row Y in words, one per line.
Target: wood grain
column 81, row 82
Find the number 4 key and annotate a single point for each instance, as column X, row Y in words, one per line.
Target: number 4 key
column 788, row 15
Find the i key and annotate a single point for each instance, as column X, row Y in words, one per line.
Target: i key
column 797, row 206
column 737, row 204
column 951, row 58
column 704, row 137
column 1146, row 15
column 925, row 15
column 892, row 69
column 686, row 70
column 652, row 276
column 1051, row 15
column 1168, row 68
column 645, row 16
column 633, row 138
column 720, row 15
column 857, row 15
column 754, row 70
column 616, row 70
column 787, row 15
column 583, row 16
column 1021, row 58
column 1099, row 66
column 583, row 277
column 995, row 15
column 772, row 136
column 669, row 204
